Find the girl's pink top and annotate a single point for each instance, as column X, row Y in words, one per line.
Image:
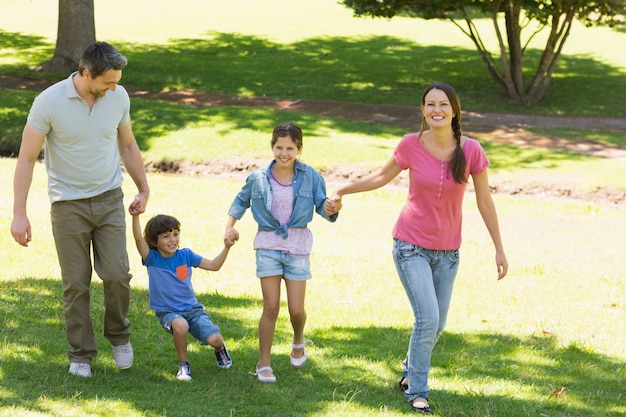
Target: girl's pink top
column 432, row 215
column 300, row 239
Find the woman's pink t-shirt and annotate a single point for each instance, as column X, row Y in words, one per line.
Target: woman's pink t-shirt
column 432, row 215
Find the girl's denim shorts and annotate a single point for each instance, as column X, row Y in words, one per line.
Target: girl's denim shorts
column 271, row 263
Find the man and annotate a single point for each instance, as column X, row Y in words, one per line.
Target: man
column 85, row 122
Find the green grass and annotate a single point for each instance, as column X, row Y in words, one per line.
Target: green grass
column 555, row 322
column 170, row 132
column 316, row 49
column 546, row 341
column 604, row 137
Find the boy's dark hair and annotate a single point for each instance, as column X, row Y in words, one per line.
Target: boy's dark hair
column 161, row 223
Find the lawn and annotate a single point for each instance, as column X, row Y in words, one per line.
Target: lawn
column 316, row 49
column 548, row 340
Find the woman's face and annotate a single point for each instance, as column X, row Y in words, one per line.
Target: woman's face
column 437, row 109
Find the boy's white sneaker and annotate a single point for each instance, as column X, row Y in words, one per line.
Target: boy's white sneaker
column 184, row 372
column 80, row 369
column 123, row 356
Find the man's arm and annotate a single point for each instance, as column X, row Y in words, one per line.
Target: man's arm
column 32, row 141
column 133, row 162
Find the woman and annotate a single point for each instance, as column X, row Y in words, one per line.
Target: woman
column 427, row 234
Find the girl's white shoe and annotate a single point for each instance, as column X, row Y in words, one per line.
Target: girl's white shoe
column 299, row 362
column 262, row 378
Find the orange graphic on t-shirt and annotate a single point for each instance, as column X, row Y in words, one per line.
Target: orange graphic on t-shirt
column 182, row 272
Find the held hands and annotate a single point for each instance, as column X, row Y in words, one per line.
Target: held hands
column 138, row 205
column 230, row 237
column 333, row 204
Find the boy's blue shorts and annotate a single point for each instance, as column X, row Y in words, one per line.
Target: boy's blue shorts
column 200, row 324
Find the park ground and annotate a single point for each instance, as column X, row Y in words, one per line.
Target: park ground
column 497, row 127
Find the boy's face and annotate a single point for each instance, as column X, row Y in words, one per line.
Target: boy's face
column 167, row 243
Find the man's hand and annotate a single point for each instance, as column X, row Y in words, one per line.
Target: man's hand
column 20, row 229
column 138, row 206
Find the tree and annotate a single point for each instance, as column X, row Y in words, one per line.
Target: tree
column 556, row 16
column 75, row 31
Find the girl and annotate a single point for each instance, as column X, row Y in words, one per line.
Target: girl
column 282, row 198
column 427, row 234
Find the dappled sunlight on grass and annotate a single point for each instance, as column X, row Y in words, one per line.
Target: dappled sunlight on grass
column 361, row 68
column 546, row 340
column 607, row 137
column 508, row 345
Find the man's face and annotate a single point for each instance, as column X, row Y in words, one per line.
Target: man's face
column 99, row 86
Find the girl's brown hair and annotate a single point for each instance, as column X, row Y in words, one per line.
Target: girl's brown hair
column 288, row 129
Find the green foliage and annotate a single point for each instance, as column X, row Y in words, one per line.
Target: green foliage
column 507, row 69
column 590, row 12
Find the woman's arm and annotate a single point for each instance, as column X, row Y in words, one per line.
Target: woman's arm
column 488, row 212
column 371, row 181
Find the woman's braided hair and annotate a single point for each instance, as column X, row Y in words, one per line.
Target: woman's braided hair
column 458, row 162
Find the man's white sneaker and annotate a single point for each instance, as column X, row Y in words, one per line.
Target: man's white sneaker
column 123, row 356
column 80, row 369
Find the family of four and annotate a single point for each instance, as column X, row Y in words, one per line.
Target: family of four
column 84, row 125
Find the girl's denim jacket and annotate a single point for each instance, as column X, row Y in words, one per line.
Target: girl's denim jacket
column 309, row 192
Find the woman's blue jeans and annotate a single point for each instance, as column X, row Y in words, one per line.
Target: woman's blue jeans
column 428, row 278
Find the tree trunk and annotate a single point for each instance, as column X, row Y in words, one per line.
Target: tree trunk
column 559, row 33
column 75, row 31
column 516, row 54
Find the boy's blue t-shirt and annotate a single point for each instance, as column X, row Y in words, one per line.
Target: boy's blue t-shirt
column 170, row 280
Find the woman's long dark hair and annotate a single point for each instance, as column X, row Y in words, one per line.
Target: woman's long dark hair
column 458, row 162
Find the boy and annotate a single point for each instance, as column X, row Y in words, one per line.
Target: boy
column 172, row 296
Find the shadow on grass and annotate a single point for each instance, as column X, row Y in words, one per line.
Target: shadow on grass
column 153, row 119
column 376, row 69
column 349, row 368
column 13, row 111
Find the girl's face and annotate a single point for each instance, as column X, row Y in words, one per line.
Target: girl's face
column 167, row 243
column 285, row 152
column 437, row 109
